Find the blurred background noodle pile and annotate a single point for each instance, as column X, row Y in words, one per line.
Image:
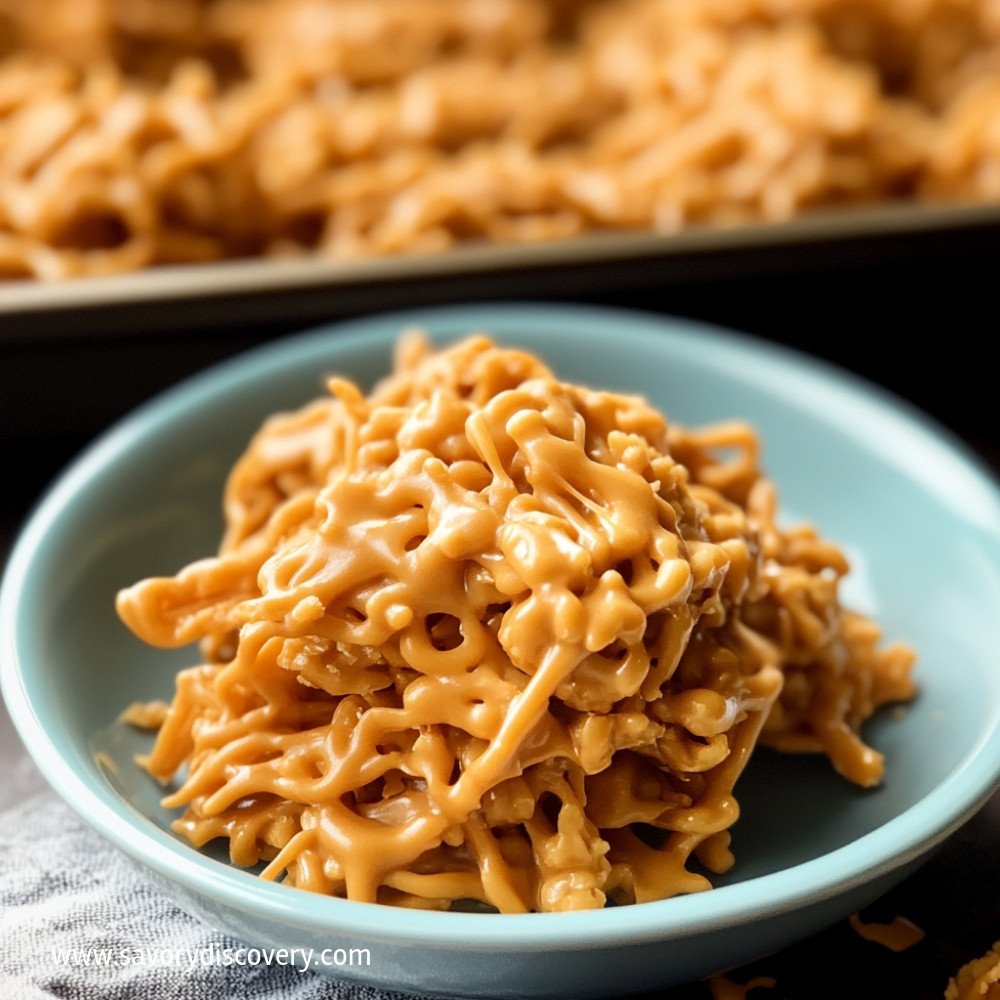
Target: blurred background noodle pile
column 138, row 132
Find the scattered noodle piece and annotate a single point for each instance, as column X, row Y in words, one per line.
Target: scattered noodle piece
column 897, row 935
column 723, row 988
column 485, row 635
column 145, row 714
column 978, row 980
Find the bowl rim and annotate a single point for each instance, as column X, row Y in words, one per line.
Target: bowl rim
column 898, row 842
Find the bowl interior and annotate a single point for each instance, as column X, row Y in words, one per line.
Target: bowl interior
column 921, row 523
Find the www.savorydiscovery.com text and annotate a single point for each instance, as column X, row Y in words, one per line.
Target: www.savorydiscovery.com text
column 123, row 956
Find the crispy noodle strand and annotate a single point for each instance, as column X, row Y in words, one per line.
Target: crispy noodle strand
column 484, row 635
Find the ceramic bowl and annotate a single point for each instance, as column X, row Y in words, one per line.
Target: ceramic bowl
column 918, row 517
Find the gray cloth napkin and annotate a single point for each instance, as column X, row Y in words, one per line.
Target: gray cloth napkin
column 67, row 898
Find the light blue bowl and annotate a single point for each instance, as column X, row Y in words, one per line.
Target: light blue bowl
column 921, row 521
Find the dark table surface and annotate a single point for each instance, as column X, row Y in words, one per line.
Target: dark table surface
column 915, row 322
